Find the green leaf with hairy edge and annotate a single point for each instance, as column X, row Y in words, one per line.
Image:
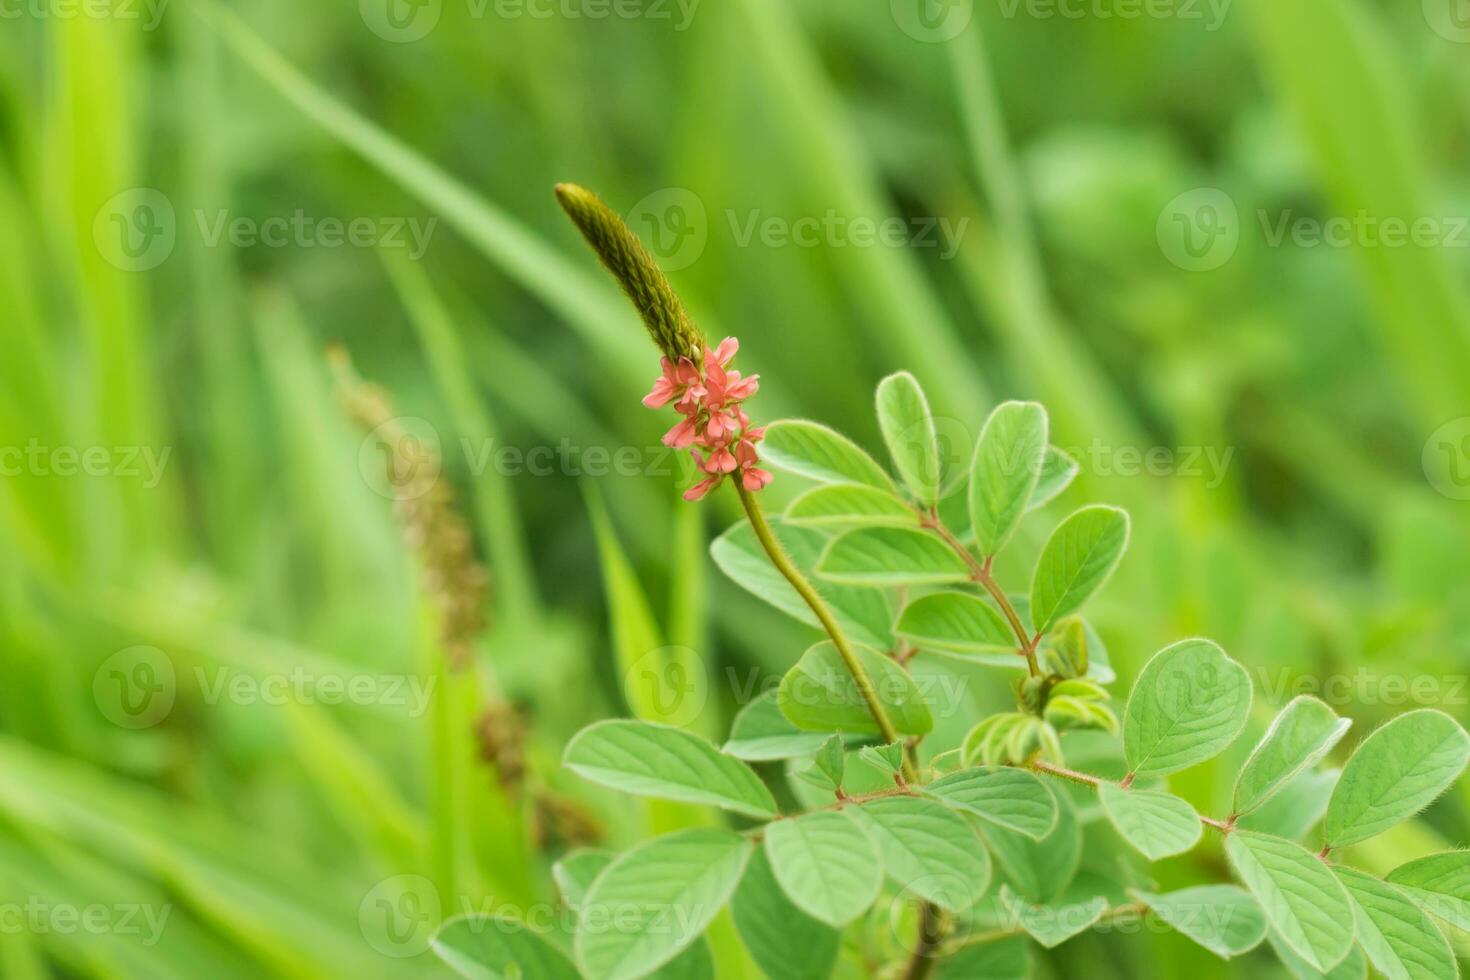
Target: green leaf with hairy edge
column 1041, row 870
column 1440, row 883
column 954, row 621
column 1010, row 798
column 1188, row 704
column 825, row 864
column 1158, row 825
column 820, row 694
column 832, row 760
column 666, row 763
column 1223, row 919
column 1397, row 771
column 1058, row 470
column 1296, row 809
column 1302, row 899
column 1052, row 925
column 999, row 959
column 1398, row 936
column 1005, row 470
column 1304, row 732
column 1078, row 558
column 888, row 758
column 761, row 733
column 495, row 947
column 785, row 942
column 655, row 900
column 817, row 452
column 863, row 614
column 847, row 505
column 1353, row 967
column 928, row 849
column 575, row 873
column 882, row 557
column 908, row 429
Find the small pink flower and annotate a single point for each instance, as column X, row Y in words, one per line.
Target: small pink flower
column 701, row 488
column 683, row 435
column 755, row 479
column 714, row 420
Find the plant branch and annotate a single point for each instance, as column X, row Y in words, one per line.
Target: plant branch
column 980, row 574
column 1087, row 779
column 777, row 553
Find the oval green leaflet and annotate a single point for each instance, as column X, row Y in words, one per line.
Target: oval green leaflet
column 1078, row 558
column 1398, row 936
column 908, row 430
column 655, row 900
column 883, row 557
column 1304, row 732
column 1223, row 919
column 1013, row 799
column 786, row 943
column 1158, row 825
column 1440, row 883
column 1189, row 703
column 1040, row 870
column 495, row 947
column 957, row 622
column 928, row 849
column 826, row 865
column 1302, row 899
column 1397, row 771
column 819, row 453
column 667, row 763
column 820, row 694
column 844, row 505
column 1005, row 471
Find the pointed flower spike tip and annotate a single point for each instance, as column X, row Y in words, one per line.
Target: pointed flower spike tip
column 642, row 280
column 694, row 377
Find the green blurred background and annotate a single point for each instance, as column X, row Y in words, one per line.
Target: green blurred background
column 1110, row 206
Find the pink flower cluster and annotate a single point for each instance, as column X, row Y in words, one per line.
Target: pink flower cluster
column 713, row 419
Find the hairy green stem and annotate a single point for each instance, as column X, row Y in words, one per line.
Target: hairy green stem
column 980, row 574
column 931, row 935
column 1087, row 779
column 777, row 553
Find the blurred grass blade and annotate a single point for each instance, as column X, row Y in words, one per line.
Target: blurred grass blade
column 1332, row 63
column 516, row 593
column 593, row 308
column 907, row 321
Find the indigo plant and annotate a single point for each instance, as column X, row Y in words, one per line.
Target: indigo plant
column 903, row 859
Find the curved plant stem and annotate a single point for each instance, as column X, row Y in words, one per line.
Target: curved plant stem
column 980, row 574
column 931, row 935
column 813, row 599
column 1087, row 779
column 931, row 920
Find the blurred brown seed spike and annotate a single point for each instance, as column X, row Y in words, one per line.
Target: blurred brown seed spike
column 635, row 270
